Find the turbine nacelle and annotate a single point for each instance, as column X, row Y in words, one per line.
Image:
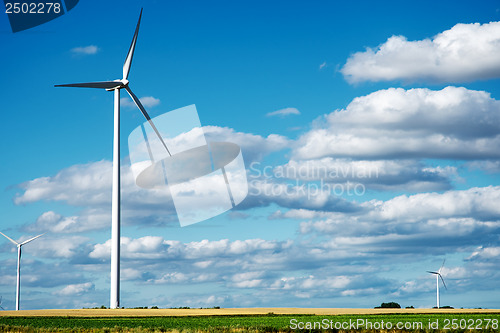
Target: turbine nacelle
column 124, row 83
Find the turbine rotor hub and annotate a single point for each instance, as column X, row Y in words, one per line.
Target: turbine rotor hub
column 123, row 84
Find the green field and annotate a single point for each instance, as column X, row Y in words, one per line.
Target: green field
column 258, row 323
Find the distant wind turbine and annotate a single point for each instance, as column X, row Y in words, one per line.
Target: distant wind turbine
column 438, row 275
column 1, row 307
column 115, row 206
column 19, row 245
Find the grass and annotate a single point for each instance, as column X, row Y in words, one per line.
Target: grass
column 255, row 323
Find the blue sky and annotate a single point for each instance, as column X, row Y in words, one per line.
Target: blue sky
column 398, row 99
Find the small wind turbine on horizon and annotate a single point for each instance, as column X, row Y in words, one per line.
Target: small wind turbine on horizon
column 116, row 86
column 438, row 275
column 1, row 307
column 19, row 245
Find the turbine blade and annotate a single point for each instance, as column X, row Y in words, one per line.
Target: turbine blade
column 432, row 272
column 130, row 54
column 441, row 266
column 13, row 241
column 146, row 115
column 32, row 239
column 100, row 85
column 444, row 284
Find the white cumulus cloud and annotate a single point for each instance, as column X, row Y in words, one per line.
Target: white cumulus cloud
column 418, row 123
column 76, row 289
column 466, row 52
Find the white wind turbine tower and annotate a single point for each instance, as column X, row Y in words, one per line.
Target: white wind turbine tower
column 19, row 245
column 115, row 206
column 438, row 275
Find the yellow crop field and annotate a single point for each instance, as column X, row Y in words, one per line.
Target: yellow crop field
column 229, row 311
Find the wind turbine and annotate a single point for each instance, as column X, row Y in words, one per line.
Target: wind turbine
column 19, row 245
column 116, row 86
column 1, row 307
column 438, row 275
